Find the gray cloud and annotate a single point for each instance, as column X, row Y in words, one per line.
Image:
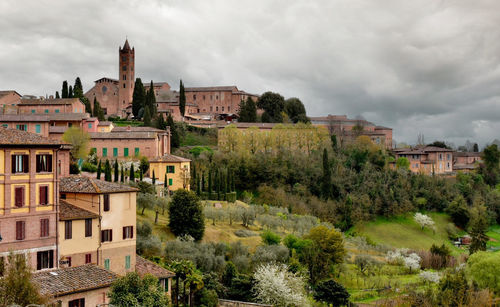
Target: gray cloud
column 427, row 66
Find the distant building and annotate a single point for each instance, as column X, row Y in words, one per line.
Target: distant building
column 176, row 168
column 466, row 161
column 48, row 106
column 347, row 130
column 428, row 160
column 9, row 98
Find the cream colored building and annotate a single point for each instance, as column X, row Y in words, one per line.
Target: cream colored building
column 177, row 169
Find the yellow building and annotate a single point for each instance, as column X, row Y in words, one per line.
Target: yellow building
column 30, row 168
column 177, row 170
column 115, row 205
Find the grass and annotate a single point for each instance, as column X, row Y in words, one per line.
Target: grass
column 195, row 139
column 125, row 123
column 404, row 232
column 494, row 234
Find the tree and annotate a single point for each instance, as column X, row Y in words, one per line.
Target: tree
column 57, row 95
column 440, row 144
column 475, row 148
column 331, row 292
column 478, row 226
column 144, row 165
column 273, row 105
column 484, row 268
column 131, row 176
column 132, row 290
column 107, row 171
column 295, row 110
column 116, row 172
column 175, row 140
column 270, row 238
column 122, row 173
column 78, row 93
column 150, row 102
column 70, row 92
column 145, row 201
column 459, row 212
column 186, row 215
column 423, row 220
column 160, row 122
column 64, row 91
column 182, row 99
column 248, row 111
column 326, row 181
column 276, row 286
column 79, row 140
column 99, row 169
column 403, row 163
column 17, row 287
column 138, row 97
column 147, row 117
column 490, row 169
column 98, row 111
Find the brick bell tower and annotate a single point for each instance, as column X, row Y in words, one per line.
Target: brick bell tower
column 126, row 77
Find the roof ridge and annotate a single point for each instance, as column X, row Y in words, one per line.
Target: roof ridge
column 94, row 185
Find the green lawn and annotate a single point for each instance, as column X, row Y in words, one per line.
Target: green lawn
column 196, row 139
column 404, row 232
column 125, row 123
column 494, row 234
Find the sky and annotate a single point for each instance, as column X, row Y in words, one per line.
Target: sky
column 428, row 67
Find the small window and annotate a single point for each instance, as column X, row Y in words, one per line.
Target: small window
column 20, row 164
column 124, row 85
column 68, row 230
column 222, row 108
column 170, row 169
column 106, row 202
column 106, row 264
column 127, row 262
column 128, row 232
column 170, row 181
column 136, row 151
column 124, row 77
column 5, row 125
column 33, row 111
column 90, row 125
column 20, row 230
column 104, row 152
column 124, row 67
column 115, row 152
column 125, row 152
column 216, row 109
column 43, row 163
column 38, row 128
column 21, row 127
column 19, row 197
column 88, row 228
column 77, row 303
column 44, row 228
column 107, row 235
column 46, row 110
column 45, row 260
column 88, row 258
column 194, row 97
column 44, row 195
column 57, row 110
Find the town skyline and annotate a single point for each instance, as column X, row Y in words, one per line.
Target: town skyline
column 392, row 67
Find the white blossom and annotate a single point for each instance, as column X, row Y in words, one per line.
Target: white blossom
column 277, row 286
column 401, row 256
column 430, row 276
column 423, row 220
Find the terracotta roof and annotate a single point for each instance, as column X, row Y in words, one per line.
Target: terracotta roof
column 211, row 88
column 466, row 154
column 106, row 123
column 143, row 267
column 136, row 129
column 17, row 137
column 68, row 116
column 23, row 118
column 58, row 129
column 107, row 79
column 49, row 101
column 464, row 166
column 81, row 184
column 71, row 212
column 382, row 128
column 73, row 280
column 169, row 158
column 5, row 93
column 123, row 135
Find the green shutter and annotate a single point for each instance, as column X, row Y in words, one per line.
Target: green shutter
column 170, row 169
column 57, row 110
column 46, row 110
column 170, row 181
column 115, row 152
column 106, row 264
column 127, row 262
column 136, row 151
column 5, row 125
column 33, row 111
column 104, row 152
column 38, row 128
column 125, row 152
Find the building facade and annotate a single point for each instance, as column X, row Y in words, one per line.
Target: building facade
column 9, row 98
column 428, row 160
column 177, row 170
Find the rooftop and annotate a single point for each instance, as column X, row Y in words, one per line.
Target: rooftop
column 136, row 129
column 73, row 280
column 169, row 158
column 17, row 137
column 49, row 101
column 81, row 184
column 72, row 212
column 23, row 118
column 124, row 135
column 212, row 88
column 143, row 267
column 5, row 93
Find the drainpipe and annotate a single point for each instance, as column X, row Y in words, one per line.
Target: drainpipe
column 56, row 168
column 99, row 231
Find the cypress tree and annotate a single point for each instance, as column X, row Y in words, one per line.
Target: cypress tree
column 151, row 100
column 138, row 97
column 132, row 173
column 147, row 117
column 195, row 177
column 209, row 182
column 122, row 178
column 248, row 111
column 78, row 86
column 64, row 91
column 107, row 171
column 140, row 174
column 153, row 180
column 233, row 185
column 98, row 112
column 117, row 175
column 99, row 170
column 224, row 181
column 326, row 184
column 203, row 182
column 160, row 122
column 165, row 184
column 57, row 95
column 70, row 92
column 175, row 140
column 198, row 186
column 182, row 99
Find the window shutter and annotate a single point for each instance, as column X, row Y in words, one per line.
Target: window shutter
column 131, row 232
column 25, row 163
column 38, row 164
column 49, row 163
column 42, row 195
column 42, row 228
column 124, row 233
column 23, row 230
column 110, row 235
column 13, row 163
column 38, row 261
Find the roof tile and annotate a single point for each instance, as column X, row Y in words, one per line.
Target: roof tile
column 81, row 184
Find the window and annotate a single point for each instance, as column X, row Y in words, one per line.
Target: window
column 5, row 125
column 20, row 164
column 77, row 303
column 128, row 232
column 229, row 108
column 106, row 202
column 194, row 97
column 45, row 260
column 44, row 228
column 115, row 152
column 123, row 59
column 63, row 196
column 88, row 258
column 68, row 230
column 216, row 97
column 38, row 128
column 211, row 108
column 127, row 262
column 136, row 151
column 170, row 181
column 21, row 127
column 216, row 108
column 125, row 152
column 124, row 85
column 170, row 169
column 20, row 230
column 106, row 264
column 104, row 152
column 19, row 196
column 448, row 157
column 222, row 108
column 57, row 110
column 124, row 67
column 124, row 77
column 43, row 195
column 90, row 125
column 2, row 266
column 440, row 157
column 107, row 235
column 46, row 110
column 43, row 163
column 88, row 228
column 69, row 261
column 33, row 111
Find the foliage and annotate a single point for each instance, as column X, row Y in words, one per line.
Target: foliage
column 138, row 97
column 484, row 269
column 270, row 238
column 97, row 110
column 459, row 212
column 16, row 286
column 430, row 276
column 478, row 227
column 490, row 168
column 89, row 167
column 248, row 111
column 295, row 110
column 144, row 164
column 331, row 292
column 79, row 140
column 423, row 220
column 132, row 290
column 186, row 215
column 273, row 105
column 147, row 117
column 403, row 163
column 403, row 256
column 175, row 138
column 275, row 285
column 182, row 98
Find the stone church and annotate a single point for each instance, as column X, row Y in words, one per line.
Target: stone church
column 115, row 95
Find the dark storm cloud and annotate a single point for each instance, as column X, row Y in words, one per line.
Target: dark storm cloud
column 430, row 67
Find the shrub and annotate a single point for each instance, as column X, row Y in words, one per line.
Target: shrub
column 89, row 167
column 244, row 233
column 331, row 292
column 452, row 231
column 271, row 253
column 270, row 238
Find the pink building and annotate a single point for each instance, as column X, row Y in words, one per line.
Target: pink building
column 429, row 160
column 466, row 161
column 9, row 98
column 49, row 106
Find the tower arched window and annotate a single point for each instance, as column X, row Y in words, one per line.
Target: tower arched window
column 124, row 85
column 124, row 68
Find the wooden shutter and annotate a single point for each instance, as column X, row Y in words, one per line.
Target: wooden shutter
column 19, row 196
column 38, row 163
column 124, row 232
column 49, row 163
column 26, row 161
column 13, row 163
column 43, row 195
column 20, row 231
column 131, row 232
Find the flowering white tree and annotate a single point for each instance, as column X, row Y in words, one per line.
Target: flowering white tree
column 423, row 220
column 429, row 276
column 402, row 256
column 412, row 261
column 277, row 286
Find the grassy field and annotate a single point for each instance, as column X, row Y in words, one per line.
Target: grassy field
column 494, row 234
column 195, row 139
column 404, row 232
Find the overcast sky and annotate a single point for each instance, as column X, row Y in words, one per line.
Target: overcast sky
column 425, row 66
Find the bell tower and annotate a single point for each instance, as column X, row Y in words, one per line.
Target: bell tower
column 126, row 76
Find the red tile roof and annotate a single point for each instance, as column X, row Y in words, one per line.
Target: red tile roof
column 58, row 101
column 69, row 211
column 17, row 137
column 81, row 184
column 143, row 267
